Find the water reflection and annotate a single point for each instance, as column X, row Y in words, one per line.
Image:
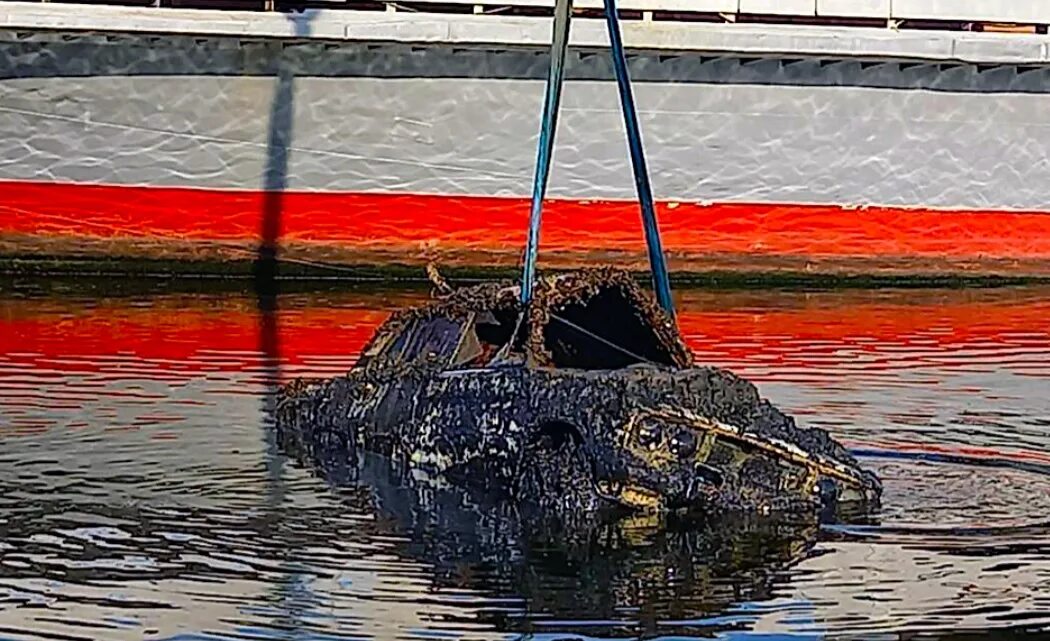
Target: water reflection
column 136, row 502
column 640, row 576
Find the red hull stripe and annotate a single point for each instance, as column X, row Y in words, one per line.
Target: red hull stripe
column 388, row 221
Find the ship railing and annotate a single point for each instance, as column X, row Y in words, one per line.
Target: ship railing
column 1022, row 16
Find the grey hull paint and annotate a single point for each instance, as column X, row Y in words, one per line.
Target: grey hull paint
column 388, row 118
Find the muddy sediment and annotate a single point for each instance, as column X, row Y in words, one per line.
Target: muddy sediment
column 547, row 408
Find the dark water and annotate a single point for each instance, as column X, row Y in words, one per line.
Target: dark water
column 141, row 495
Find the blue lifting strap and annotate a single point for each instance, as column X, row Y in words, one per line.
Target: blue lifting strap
column 548, row 125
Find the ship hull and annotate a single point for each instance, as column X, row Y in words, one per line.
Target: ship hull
column 380, row 154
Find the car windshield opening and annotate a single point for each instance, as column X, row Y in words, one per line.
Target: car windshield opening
column 607, row 330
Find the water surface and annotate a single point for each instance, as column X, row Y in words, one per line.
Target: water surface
column 141, row 495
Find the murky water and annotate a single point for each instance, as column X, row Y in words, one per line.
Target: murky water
column 141, row 495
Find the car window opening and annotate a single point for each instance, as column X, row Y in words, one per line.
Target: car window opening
column 603, row 331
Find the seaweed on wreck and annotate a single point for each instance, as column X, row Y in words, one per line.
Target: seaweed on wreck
column 585, row 402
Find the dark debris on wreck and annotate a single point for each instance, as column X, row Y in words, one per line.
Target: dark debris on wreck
column 587, row 403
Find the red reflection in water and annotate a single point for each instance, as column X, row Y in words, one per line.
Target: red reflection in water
column 777, row 330
column 803, row 339
column 176, row 333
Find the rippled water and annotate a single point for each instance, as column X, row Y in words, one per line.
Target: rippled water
column 141, row 495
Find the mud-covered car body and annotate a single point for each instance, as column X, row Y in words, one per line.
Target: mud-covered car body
column 586, row 401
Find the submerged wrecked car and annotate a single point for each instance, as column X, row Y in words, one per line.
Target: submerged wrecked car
column 586, row 401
